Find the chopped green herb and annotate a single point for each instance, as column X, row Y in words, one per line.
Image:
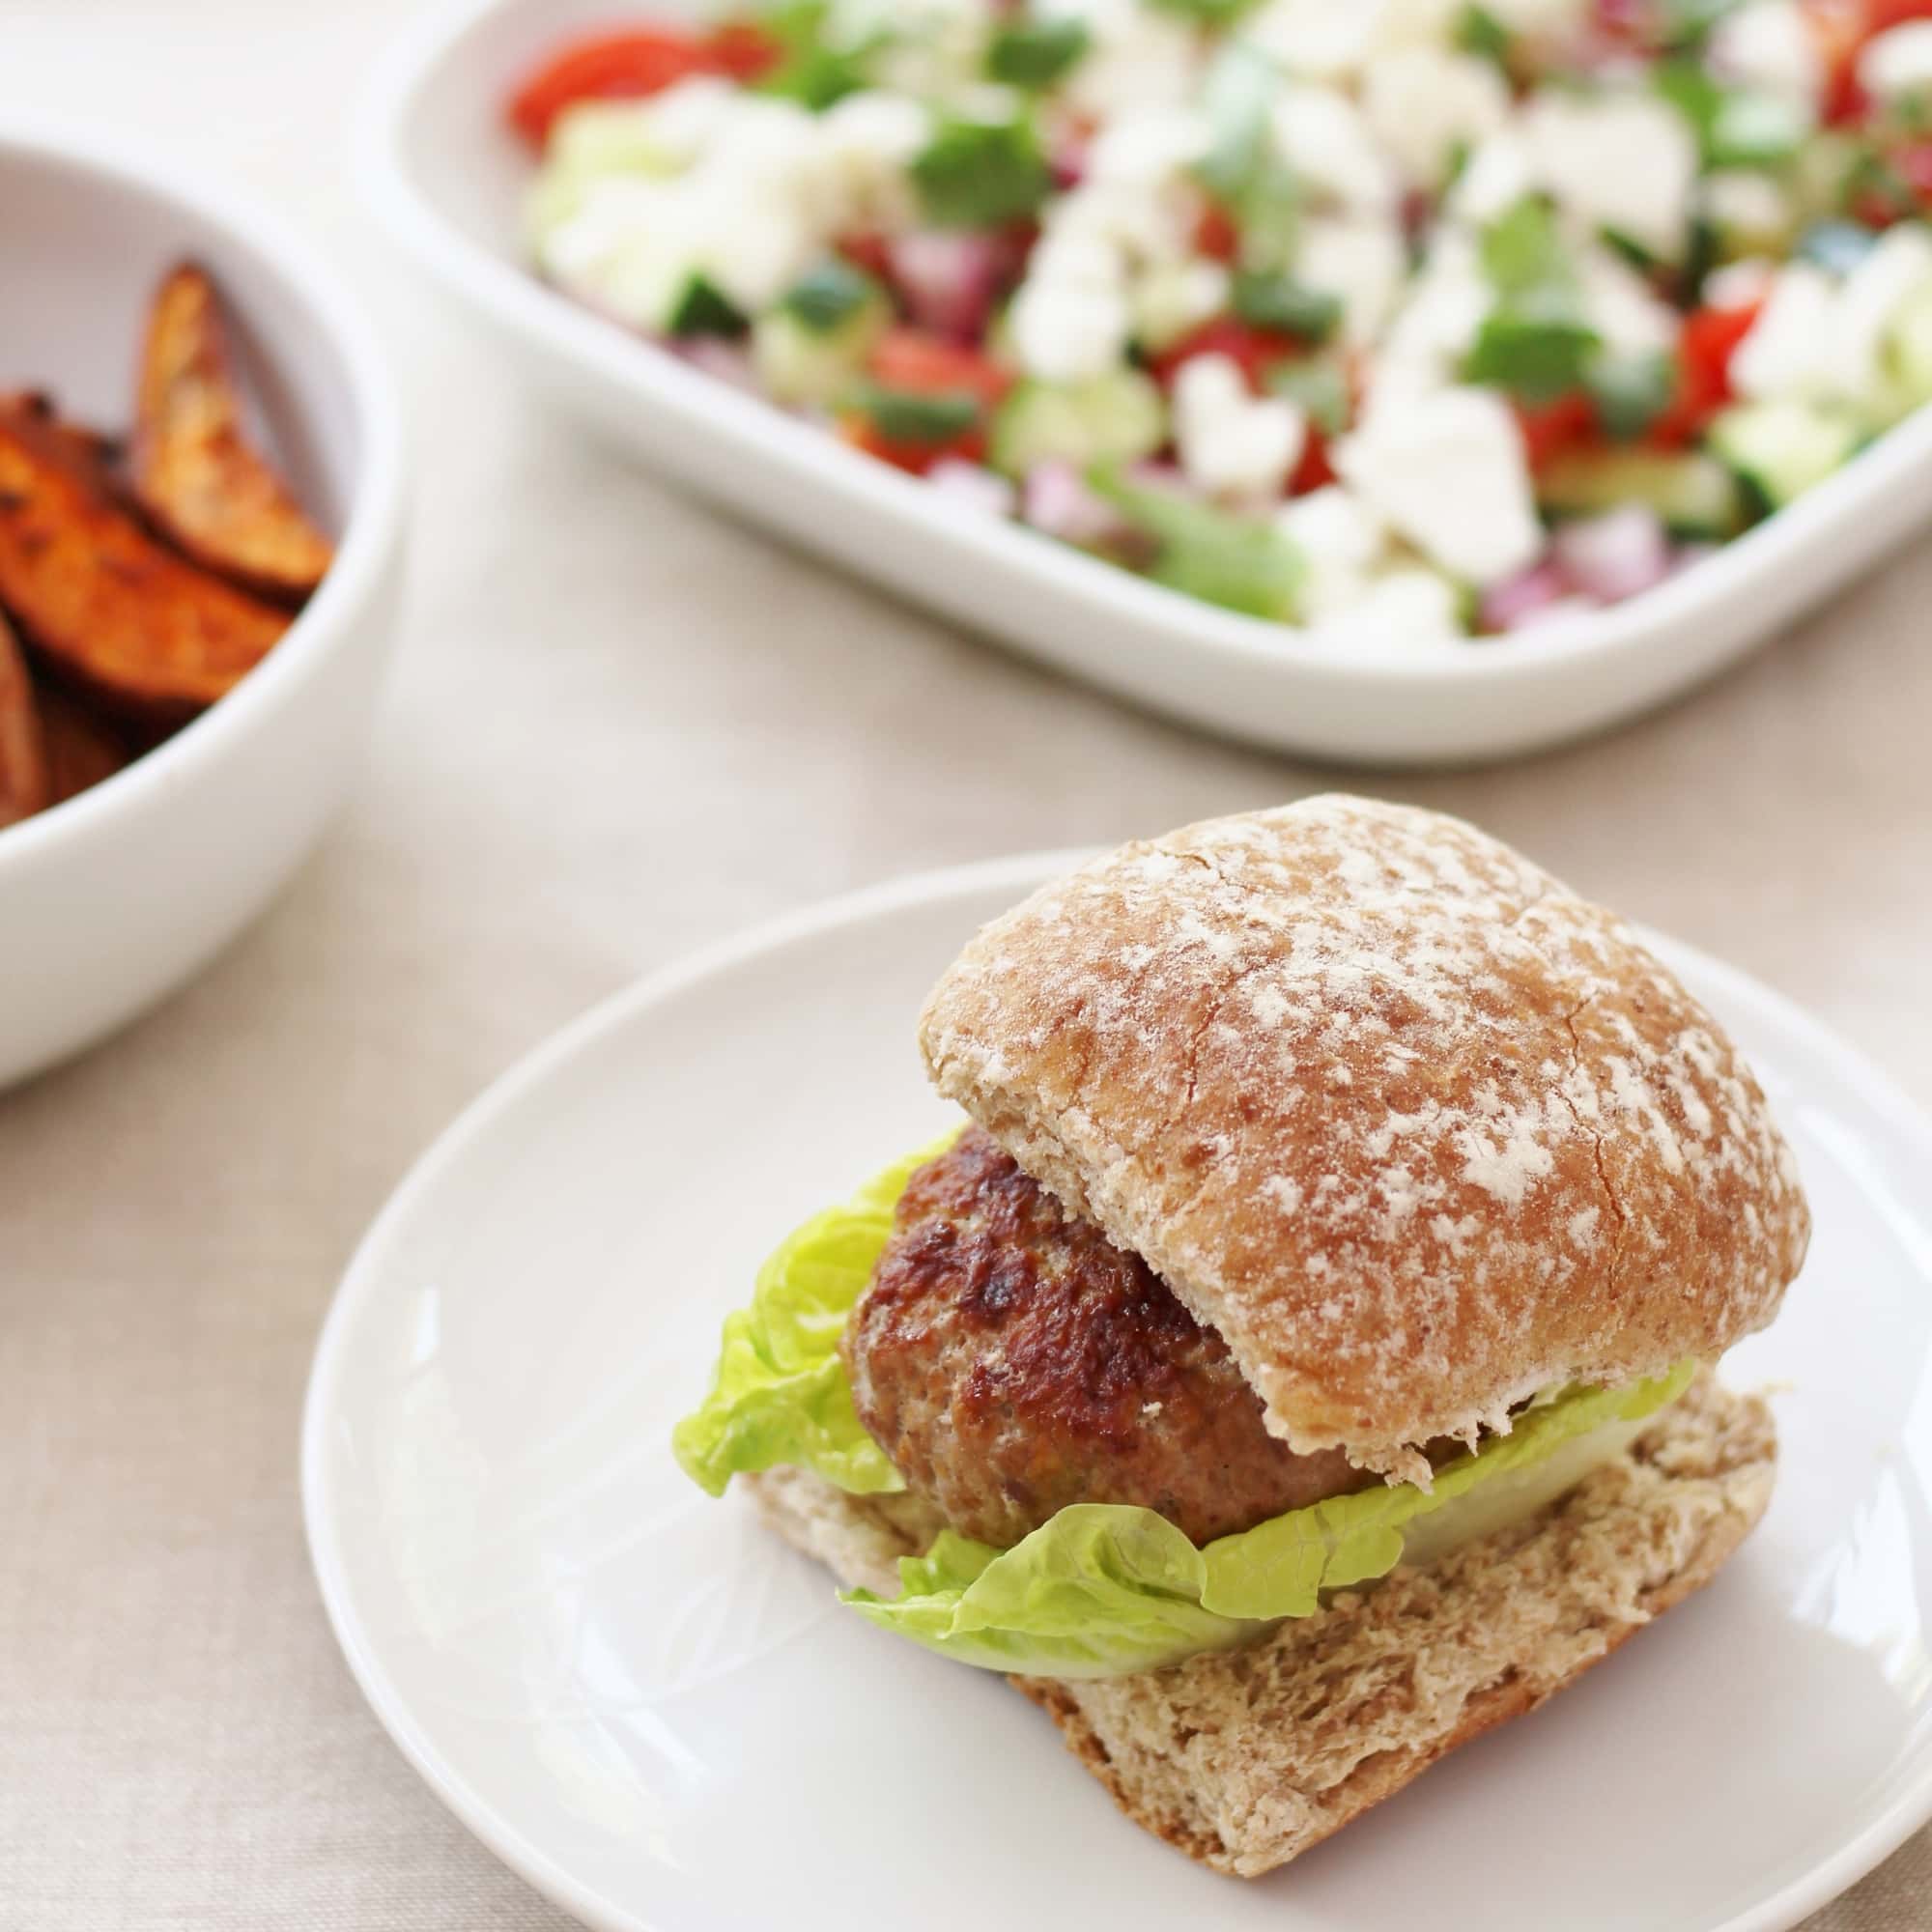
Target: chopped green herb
column 979, row 174
column 1536, row 357
column 919, row 415
column 1686, row 23
column 1210, row 13
column 807, row 70
column 1281, row 302
column 1238, row 562
column 1837, row 245
column 1321, row 385
column 824, row 297
column 703, row 309
column 1535, row 342
column 1630, row 391
column 1479, row 32
column 1523, row 251
column 1035, row 53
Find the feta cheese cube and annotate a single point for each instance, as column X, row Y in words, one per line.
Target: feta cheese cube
column 1619, row 305
column 1898, row 62
column 1138, row 57
column 1316, row 39
column 1409, row 607
column 1781, row 353
column 1230, row 444
column 1897, row 266
column 1341, row 540
column 1499, row 174
column 1771, row 45
column 1423, row 104
column 1321, row 135
column 857, row 175
column 1433, row 328
column 1069, row 330
column 1449, row 473
column 1174, row 298
column 1147, row 149
column 1622, row 160
column 1362, row 262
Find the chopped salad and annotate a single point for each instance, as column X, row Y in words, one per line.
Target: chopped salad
column 1395, row 319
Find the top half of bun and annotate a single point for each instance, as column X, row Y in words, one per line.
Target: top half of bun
column 1417, row 1130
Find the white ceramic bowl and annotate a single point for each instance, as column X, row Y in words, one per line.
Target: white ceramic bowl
column 445, row 176
column 112, row 899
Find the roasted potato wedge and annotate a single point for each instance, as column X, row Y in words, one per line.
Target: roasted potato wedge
column 82, row 749
column 144, row 632
column 24, row 783
column 197, row 477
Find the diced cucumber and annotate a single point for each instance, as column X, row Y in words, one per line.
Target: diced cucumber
column 1906, row 356
column 1696, row 496
column 1238, row 562
column 1114, row 418
column 590, row 143
column 807, row 367
column 1781, row 448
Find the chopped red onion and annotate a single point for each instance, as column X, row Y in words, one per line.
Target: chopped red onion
column 949, row 281
column 1517, row 600
column 1057, row 501
column 973, row 486
column 1615, row 555
column 725, row 361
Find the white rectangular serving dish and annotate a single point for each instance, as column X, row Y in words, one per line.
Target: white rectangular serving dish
column 446, row 178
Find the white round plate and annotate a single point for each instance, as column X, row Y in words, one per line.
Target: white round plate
column 661, row 1718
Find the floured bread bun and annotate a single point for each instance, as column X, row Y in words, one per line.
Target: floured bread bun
column 1414, row 1127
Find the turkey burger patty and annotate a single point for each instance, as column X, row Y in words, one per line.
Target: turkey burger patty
column 1010, row 1360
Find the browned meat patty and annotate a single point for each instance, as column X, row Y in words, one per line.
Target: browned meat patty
column 1010, row 1360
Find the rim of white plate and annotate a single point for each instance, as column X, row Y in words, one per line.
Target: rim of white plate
column 1882, row 1835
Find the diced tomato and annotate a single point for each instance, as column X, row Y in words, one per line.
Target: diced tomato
column 1253, row 350
column 1915, row 168
column 743, row 50
column 1881, row 15
column 1838, row 29
column 915, row 458
column 869, row 252
column 910, row 358
column 630, row 63
column 1549, row 429
column 1215, row 235
column 1709, row 341
column 1314, row 470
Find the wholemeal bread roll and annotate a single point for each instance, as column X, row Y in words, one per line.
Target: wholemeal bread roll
column 1414, row 1127
column 1243, row 1759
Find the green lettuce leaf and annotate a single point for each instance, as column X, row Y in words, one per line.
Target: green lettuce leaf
column 780, row 1394
column 1104, row 1588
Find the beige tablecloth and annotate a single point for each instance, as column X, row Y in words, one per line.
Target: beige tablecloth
column 620, row 726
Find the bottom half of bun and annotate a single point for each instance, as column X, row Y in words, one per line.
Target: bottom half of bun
column 1243, row 1759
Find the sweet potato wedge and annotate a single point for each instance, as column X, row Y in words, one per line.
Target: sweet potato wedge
column 148, row 633
column 197, row 477
column 82, row 749
column 92, row 454
column 25, row 787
